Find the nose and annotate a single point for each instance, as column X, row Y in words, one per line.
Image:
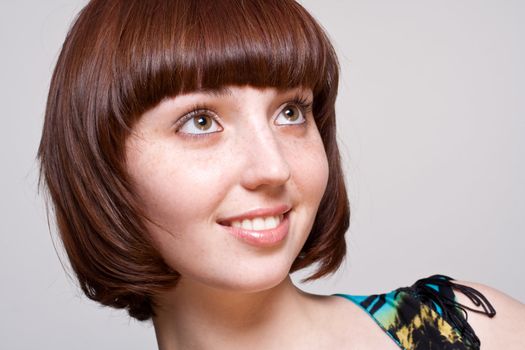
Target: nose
column 265, row 162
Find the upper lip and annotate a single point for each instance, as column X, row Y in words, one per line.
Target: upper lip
column 259, row 212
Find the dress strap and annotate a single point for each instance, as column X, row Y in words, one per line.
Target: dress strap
column 437, row 291
column 426, row 315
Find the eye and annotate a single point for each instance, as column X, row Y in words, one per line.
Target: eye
column 291, row 114
column 199, row 122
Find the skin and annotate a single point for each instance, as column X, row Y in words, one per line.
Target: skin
column 506, row 330
column 251, row 158
column 233, row 295
column 245, row 161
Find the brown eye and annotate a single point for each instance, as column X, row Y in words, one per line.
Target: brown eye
column 199, row 122
column 291, row 114
column 202, row 122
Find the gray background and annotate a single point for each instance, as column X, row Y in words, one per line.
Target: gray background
column 432, row 125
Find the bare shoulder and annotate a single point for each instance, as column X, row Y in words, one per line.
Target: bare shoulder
column 349, row 326
column 506, row 330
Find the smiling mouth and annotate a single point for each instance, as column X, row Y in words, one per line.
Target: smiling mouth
column 259, row 219
column 260, row 231
column 257, row 224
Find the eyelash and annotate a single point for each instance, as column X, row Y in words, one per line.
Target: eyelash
column 302, row 102
column 191, row 113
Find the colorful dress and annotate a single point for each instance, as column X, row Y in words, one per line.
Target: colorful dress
column 426, row 316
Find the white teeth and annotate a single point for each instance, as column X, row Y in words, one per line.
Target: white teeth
column 258, row 224
column 236, row 224
column 247, row 224
column 270, row 222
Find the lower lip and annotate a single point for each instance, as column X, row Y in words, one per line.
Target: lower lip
column 262, row 238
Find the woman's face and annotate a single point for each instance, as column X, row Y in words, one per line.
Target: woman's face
column 235, row 177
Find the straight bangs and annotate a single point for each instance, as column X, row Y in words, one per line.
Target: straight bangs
column 166, row 48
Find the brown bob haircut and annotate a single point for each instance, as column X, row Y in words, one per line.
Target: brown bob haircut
column 120, row 59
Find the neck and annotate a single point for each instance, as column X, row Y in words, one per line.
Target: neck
column 199, row 317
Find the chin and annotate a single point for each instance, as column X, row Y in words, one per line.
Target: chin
column 262, row 283
column 249, row 280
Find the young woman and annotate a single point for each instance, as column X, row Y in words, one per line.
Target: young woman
column 189, row 149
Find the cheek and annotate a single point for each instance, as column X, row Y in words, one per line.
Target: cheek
column 310, row 169
column 176, row 189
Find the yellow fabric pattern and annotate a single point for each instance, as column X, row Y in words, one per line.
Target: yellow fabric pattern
column 425, row 318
